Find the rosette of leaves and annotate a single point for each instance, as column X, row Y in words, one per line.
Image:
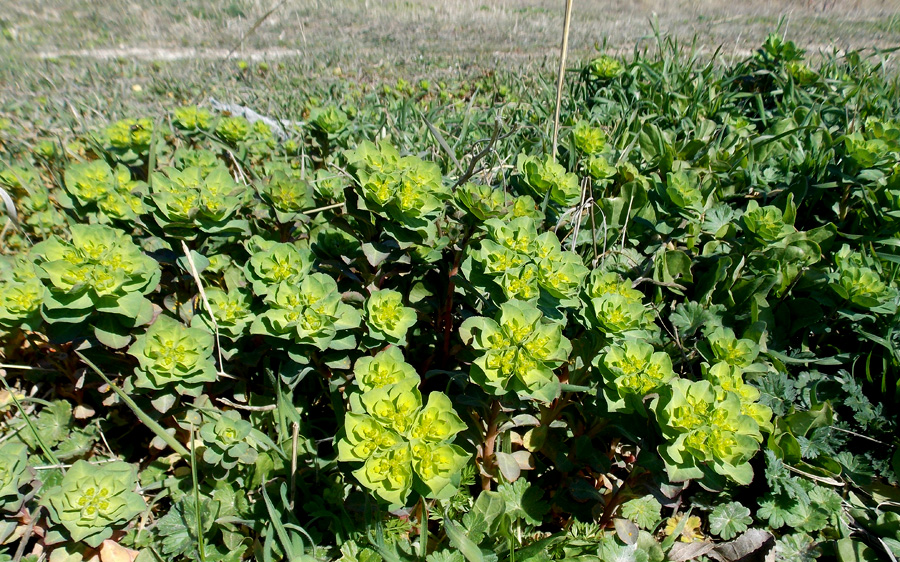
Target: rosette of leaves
column 192, row 119
column 599, row 168
column 233, row 314
column 96, row 186
column 13, row 474
column 766, row 223
column 481, row 201
column 101, row 271
column 615, row 306
column 260, row 142
column 547, row 175
column 525, row 206
column 21, row 295
column 227, row 441
column 683, row 189
column 93, row 500
column 616, row 315
column 729, row 378
column 328, row 120
column 858, row 281
column 173, row 360
column 589, row 140
column 404, row 189
column 403, row 446
column 706, row 432
column 519, row 350
column 233, row 129
column 329, row 185
column 193, row 199
column 631, row 372
column 206, row 160
column 129, row 140
column 387, row 318
column 274, row 263
column 309, row 313
column 726, row 347
column 604, row 67
column 289, row 196
column 560, row 273
column 387, row 367
column 521, row 283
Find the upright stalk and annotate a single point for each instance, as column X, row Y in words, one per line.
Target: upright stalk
column 564, row 50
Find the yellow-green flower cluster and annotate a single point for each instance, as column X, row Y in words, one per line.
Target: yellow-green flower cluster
column 588, row 139
column 405, row 188
column 21, row 295
column 287, row 193
column 93, row 500
column 192, row 118
column 273, row 263
column 616, row 306
column 403, row 446
column 485, row 202
column 547, row 175
column 309, row 312
column 171, row 355
column 858, row 281
column 705, row 429
column 631, row 371
column 228, row 441
column 387, row 318
column 195, row 199
column 112, row 191
column 130, row 136
column 233, row 129
column 519, row 351
column 604, row 67
column 524, row 263
column 101, row 269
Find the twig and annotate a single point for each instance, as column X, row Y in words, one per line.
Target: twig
column 26, row 536
column 64, row 465
column 325, row 208
column 861, row 436
column 564, row 49
column 295, row 437
column 640, row 280
column 25, row 368
column 229, row 403
column 212, row 317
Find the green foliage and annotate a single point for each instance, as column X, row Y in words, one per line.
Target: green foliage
column 394, row 326
column 93, row 500
column 728, row 520
column 519, row 350
column 644, row 511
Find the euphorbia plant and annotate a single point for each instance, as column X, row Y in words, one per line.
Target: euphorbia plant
column 519, row 349
column 403, row 446
column 93, row 500
column 101, row 275
column 173, row 360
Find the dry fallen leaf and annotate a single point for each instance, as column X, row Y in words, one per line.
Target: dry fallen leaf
column 111, row 551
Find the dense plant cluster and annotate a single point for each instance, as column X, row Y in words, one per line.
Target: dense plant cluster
column 357, row 341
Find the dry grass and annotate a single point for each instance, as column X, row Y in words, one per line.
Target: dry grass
column 459, row 30
column 104, row 59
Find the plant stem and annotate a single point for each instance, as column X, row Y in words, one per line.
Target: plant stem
column 490, row 438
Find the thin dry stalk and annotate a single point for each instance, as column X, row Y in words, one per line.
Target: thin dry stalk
column 560, row 78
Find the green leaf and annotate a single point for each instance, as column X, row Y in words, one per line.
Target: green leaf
column 645, row 511
column 460, row 540
column 523, row 502
column 729, row 520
